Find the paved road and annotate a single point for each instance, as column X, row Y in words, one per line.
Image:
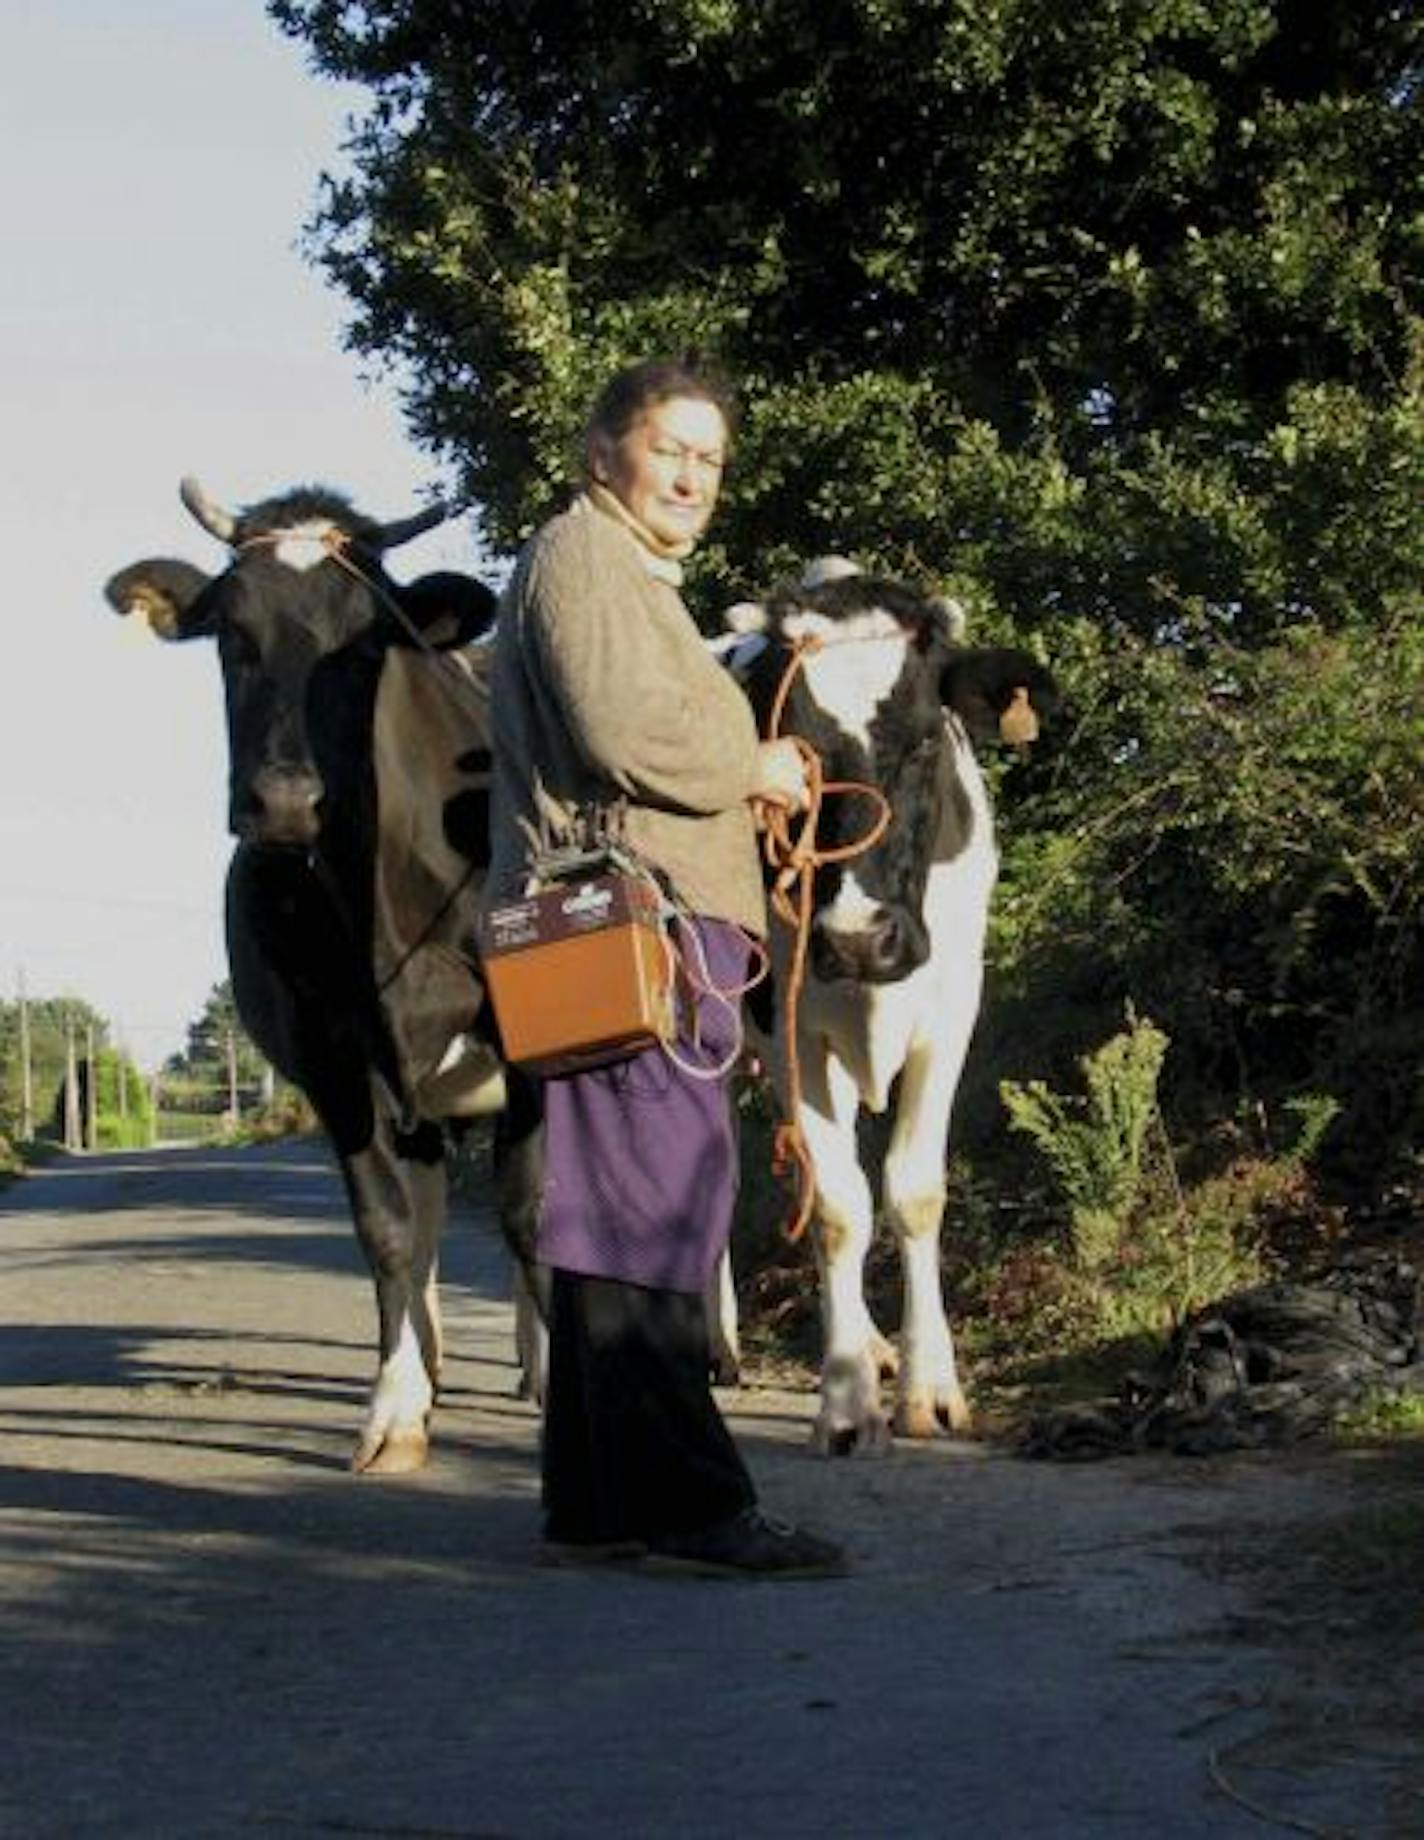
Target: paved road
column 211, row 1628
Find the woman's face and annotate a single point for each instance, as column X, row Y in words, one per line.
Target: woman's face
column 667, row 469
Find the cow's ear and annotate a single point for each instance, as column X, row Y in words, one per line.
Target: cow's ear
column 745, row 617
column 744, row 641
column 165, row 595
column 448, row 608
column 998, row 693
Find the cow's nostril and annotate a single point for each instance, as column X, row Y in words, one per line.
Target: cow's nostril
column 886, row 938
column 888, row 945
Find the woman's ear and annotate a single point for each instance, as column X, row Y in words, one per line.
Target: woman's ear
column 598, row 457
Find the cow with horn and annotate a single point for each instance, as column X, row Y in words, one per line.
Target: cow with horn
column 359, row 805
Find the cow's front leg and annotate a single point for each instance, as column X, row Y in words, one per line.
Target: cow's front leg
column 724, row 1340
column 929, row 1397
column 531, row 1330
column 398, row 1201
column 851, row 1420
column 519, row 1188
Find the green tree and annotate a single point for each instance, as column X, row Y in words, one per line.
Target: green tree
column 53, row 1023
column 1107, row 316
column 122, row 1104
column 1099, row 306
column 218, row 1052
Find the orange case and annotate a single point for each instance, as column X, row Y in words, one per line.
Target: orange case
column 578, row 973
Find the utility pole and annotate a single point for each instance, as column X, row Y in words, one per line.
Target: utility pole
column 232, row 1079
column 71, row 1087
column 27, row 1071
column 91, row 1092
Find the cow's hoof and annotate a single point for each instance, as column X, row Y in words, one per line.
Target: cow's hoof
column 870, row 1437
column 725, row 1370
column 928, row 1416
column 398, row 1453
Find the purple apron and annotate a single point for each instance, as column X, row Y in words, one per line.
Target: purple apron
column 640, row 1158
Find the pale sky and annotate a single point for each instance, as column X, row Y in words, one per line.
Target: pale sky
column 157, row 161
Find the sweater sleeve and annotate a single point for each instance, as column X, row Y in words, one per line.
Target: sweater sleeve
column 644, row 702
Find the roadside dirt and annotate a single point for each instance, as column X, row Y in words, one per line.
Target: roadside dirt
column 211, row 1628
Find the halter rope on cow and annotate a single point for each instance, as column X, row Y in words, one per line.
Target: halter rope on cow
column 795, row 860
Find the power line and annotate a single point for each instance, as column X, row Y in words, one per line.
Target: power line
column 108, row 902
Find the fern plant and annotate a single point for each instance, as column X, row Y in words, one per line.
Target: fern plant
column 1094, row 1142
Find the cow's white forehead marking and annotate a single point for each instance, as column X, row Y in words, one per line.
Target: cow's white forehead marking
column 851, row 680
column 305, row 545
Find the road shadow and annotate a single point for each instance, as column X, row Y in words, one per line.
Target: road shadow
column 291, row 1187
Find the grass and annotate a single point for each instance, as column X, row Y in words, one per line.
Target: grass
column 1388, row 1414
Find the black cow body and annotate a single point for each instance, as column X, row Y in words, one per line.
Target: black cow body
column 358, row 798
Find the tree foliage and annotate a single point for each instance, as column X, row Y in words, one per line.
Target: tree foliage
column 1107, row 316
column 56, row 1026
column 218, row 1051
column 53, row 1023
column 1098, row 304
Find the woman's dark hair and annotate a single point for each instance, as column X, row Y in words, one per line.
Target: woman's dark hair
column 641, row 387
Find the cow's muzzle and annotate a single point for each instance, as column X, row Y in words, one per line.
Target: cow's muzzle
column 887, row 946
column 280, row 807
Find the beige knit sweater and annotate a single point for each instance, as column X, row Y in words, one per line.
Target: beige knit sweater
column 602, row 686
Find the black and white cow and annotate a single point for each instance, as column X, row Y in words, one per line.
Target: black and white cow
column 889, row 698
column 359, row 801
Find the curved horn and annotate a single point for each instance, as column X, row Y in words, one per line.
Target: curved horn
column 217, row 522
column 390, row 536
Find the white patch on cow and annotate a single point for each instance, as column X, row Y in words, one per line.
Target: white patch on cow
column 855, row 667
column 394, row 1435
column 869, row 1027
column 468, row 1083
column 531, row 1339
column 853, row 910
column 305, row 545
column 724, row 1339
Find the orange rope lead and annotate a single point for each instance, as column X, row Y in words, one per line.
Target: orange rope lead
column 793, row 854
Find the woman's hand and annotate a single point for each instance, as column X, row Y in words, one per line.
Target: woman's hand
column 781, row 776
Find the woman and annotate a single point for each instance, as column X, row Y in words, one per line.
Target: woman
column 605, row 698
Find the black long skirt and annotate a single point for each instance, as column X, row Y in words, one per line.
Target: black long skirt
column 634, row 1445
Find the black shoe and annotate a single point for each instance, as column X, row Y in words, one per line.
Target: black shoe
column 750, row 1545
